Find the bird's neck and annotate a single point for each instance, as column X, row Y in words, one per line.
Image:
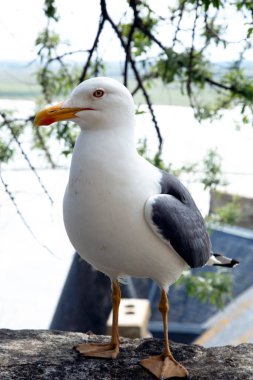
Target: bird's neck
column 108, row 146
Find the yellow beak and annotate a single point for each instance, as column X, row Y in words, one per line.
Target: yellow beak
column 56, row 113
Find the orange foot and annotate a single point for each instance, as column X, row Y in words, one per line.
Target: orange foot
column 108, row 351
column 164, row 367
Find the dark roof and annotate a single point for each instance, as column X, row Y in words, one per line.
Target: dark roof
column 237, row 243
column 231, row 326
column 232, row 243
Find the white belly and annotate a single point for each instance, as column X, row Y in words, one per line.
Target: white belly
column 104, row 219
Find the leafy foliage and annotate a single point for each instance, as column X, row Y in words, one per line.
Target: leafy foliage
column 6, row 152
column 147, row 56
column 212, row 170
column 50, row 10
column 213, row 287
column 230, row 213
column 10, row 129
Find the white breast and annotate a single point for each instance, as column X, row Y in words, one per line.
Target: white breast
column 104, row 210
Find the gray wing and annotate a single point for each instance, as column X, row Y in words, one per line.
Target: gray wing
column 175, row 218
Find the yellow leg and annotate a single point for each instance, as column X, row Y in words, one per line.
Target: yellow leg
column 164, row 366
column 111, row 349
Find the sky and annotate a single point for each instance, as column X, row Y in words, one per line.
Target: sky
column 21, row 21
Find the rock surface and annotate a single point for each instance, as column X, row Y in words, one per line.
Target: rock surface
column 29, row 354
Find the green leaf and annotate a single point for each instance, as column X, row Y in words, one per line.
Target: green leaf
column 50, row 10
column 249, row 32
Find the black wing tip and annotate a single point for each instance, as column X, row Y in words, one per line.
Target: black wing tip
column 233, row 263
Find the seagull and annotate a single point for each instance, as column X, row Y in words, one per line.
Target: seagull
column 123, row 215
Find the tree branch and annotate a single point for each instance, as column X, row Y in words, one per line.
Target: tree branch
column 135, row 70
column 11, row 129
column 94, row 46
column 13, row 201
column 180, row 17
column 128, row 53
column 45, row 148
column 232, row 88
column 191, row 56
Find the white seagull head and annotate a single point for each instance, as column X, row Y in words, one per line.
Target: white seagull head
column 95, row 103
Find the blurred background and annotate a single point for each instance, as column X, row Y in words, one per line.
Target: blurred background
column 188, row 65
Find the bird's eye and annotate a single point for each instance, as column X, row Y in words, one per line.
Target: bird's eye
column 98, row 93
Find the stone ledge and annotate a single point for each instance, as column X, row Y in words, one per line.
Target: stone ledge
column 39, row 354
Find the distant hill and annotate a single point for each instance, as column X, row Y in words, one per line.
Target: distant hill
column 18, row 81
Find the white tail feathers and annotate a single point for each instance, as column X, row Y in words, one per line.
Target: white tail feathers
column 219, row 260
